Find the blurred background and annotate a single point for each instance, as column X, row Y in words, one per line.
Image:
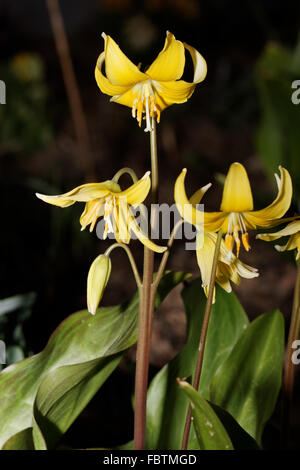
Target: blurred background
column 52, row 139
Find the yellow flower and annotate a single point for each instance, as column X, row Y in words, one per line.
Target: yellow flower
column 229, row 267
column 236, row 212
column 148, row 92
column 107, row 200
column 292, row 230
column 97, row 279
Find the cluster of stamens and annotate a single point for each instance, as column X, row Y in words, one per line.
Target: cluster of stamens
column 103, row 206
column 145, row 103
column 236, row 224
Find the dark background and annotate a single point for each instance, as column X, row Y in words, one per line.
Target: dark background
column 42, row 249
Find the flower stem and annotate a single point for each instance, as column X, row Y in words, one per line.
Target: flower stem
column 203, row 336
column 145, row 318
column 131, row 260
column 289, row 366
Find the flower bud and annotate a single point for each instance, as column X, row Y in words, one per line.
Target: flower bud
column 97, row 279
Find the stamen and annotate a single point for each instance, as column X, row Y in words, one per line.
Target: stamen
column 245, row 240
column 145, row 103
column 148, row 122
column 229, row 242
column 134, row 105
column 237, row 240
column 139, row 112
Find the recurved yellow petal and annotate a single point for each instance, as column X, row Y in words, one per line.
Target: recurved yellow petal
column 137, row 192
column 237, row 194
column 118, row 68
column 97, row 280
column 209, row 221
column 200, row 66
column 83, row 193
column 269, row 216
column 198, row 195
column 179, row 91
column 290, row 229
column 103, row 83
column 169, row 64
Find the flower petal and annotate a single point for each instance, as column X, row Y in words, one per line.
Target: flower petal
column 237, row 194
column 103, row 83
column 97, row 280
column 198, row 195
column 269, row 216
column 137, row 192
column 83, row 193
column 169, row 64
column 118, row 68
column 205, row 249
column 212, row 221
column 142, row 236
column 127, row 98
column 171, row 91
column 290, row 229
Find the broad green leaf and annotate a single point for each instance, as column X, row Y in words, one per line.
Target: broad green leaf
column 240, row 439
column 248, row 382
column 166, row 405
column 210, row 432
column 78, row 358
column 21, row 440
column 56, row 407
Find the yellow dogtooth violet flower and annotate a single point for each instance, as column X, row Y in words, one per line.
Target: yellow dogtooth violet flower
column 152, row 91
column 292, row 230
column 107, row 200
column 236, row 213
column 97, row 280
column 229, row 267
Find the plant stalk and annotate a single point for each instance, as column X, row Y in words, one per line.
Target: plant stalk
column 145, row 317
column 289, row 366
column 203, row 336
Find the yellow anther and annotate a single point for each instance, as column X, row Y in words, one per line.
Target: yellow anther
column 245, row 240
column 157, row 114
column 229, row 242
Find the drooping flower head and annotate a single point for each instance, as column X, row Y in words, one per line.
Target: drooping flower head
column 292, row 231
column 236, row 214
column 229, row 267
column 107, row 200
column 152, row 91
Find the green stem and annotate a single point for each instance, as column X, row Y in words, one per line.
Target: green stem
column 289, row 366
column 145, row 318
column 203, row 336
column 123, row 171
column 131, row 260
